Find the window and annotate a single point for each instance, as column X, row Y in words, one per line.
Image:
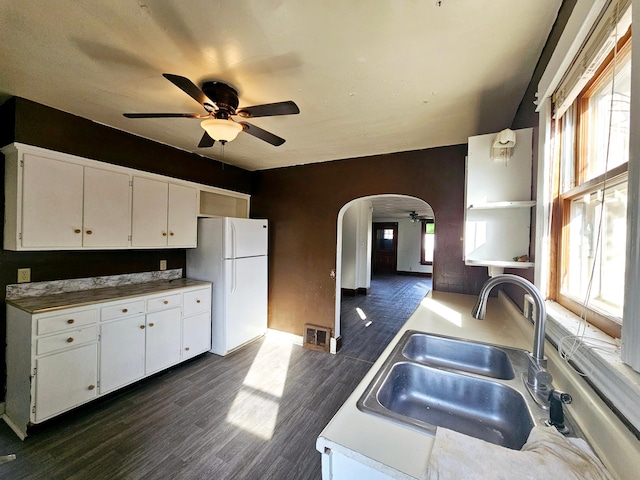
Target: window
column 428, row 230
column 592, row 156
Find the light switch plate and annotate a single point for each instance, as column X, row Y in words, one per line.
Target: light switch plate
column 163, row 264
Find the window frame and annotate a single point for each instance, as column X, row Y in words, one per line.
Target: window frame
column 423, row 232
column 562, row 202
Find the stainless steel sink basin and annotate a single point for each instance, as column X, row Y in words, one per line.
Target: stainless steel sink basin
column 431, row 381
column 455, row 354
column 480, row 408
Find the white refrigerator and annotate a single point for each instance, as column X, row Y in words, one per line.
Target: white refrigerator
column 232, row 253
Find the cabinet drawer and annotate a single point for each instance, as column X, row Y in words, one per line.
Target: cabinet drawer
column 125, row 309
column 165, row 301
column 196, row 301
column 64, row 321
column 66, row 340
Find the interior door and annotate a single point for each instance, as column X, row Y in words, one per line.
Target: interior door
column 385, row 248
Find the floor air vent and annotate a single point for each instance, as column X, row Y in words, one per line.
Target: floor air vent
column 317, row 338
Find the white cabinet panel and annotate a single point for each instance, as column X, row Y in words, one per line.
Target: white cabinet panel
column 51, row 203
column 163, row 339
column 65, row 380
column 196, row 335
column 149, row 213
column 182, row 216
column 122, row 344
column 107, row 213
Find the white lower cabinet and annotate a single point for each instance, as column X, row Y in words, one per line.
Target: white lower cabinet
column 122, row 352
column 65, row 380
column 163, row 339
column 61, row 359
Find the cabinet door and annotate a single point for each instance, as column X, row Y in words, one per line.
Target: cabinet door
column 196, row 335
column 107, row 215
column 122, row 344
column 163, row 339
column 182, row 216
column 51, row 203
column 65, row 380
column 149, row 213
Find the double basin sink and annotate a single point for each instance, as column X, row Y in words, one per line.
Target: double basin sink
column 474, row 388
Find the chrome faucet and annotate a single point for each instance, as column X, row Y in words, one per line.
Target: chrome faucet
column 538, row 380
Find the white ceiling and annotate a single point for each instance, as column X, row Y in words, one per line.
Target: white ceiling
column 398, row 207
column 369, row 77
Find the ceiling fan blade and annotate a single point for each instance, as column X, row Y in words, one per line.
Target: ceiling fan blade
column 162, row 115
column 206, row 141
column 269, row 110
column 262, row 134
column 188, row 87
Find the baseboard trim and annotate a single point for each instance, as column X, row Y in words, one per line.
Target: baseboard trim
column 352, row 292
column 414, row 274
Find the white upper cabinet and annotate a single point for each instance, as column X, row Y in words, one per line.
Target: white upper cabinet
column 51, row 203
column 149, row 214
column 182, row 216
column 56, row 201
column 164, row 214
column 107, row 218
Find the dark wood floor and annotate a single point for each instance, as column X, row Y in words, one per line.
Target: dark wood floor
column 254, row 414
column 392, row 300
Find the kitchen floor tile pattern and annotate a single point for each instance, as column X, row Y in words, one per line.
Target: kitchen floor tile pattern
column 254, row 414
column 392, row 300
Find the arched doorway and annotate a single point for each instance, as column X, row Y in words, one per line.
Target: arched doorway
column 373, row 223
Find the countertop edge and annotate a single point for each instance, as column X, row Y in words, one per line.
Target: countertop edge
column 63, row 301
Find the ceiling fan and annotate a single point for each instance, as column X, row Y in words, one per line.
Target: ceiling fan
column 414, row 217
column 220, row 102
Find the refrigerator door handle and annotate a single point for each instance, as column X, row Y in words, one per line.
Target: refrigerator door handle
column 234, row 283
column 233, row 239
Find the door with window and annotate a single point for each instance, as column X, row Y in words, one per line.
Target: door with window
column 385, row 248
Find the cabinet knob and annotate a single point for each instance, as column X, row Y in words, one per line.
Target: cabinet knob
column 77, row 230
column 166, row 302
column 70, row 321
column 70, row 339
column 171, row 234
column 151, row 325
column 187, row 349
column 91, row 387
column 141, row 327
column 125, row 310
column 89, row 232
column 164, row 234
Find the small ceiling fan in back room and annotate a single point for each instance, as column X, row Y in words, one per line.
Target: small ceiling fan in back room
column 220, row 102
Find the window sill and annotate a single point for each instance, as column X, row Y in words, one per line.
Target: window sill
column 618, row 382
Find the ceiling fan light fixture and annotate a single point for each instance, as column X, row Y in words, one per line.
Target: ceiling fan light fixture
column 221, row 130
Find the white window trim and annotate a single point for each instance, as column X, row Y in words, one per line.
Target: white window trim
column 617, row 381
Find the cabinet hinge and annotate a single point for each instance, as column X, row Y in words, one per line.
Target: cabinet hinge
column 131, row 183
column 20, row 236
column 34, row 371
column 21, row 163
column 33, row 409
column 129, row 237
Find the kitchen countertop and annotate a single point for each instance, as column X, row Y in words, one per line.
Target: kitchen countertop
column 47, row 303
column 403, row 453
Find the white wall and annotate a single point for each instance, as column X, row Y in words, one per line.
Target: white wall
column 409, row 246
column 356, row 246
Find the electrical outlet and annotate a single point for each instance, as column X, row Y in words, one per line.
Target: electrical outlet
column 24, row 275
column 163, row 264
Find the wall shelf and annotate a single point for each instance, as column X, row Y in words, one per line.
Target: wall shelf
column 497, row 225
column 496, row 205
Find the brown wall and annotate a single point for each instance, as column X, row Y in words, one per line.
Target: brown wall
column 302, row 205
column 30, row 123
